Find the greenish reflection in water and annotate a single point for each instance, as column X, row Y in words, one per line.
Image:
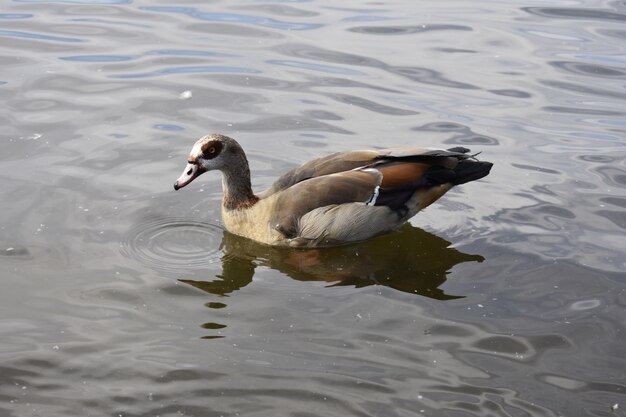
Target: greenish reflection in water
column 410, row 260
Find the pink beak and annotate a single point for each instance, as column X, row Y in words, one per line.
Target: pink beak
column 191, row 172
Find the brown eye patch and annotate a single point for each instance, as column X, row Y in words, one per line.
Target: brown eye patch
column 211, row 149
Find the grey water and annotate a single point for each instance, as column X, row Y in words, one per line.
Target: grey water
column 121, row 297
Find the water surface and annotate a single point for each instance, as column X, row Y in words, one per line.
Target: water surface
column 121, row 297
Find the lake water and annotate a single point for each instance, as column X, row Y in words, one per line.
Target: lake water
column 121, row 297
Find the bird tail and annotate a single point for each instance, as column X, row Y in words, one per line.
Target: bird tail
column 470, row 170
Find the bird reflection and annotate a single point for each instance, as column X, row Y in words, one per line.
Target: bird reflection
column 410, row 260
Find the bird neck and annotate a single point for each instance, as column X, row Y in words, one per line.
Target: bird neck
column 237, row 189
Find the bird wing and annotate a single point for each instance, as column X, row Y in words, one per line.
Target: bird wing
column 390, row 183
column 346, row 161
column 333, row 189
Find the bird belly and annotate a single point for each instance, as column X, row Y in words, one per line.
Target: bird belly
column 254, row 222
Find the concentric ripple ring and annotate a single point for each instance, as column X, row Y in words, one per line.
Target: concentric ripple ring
column 173, row 245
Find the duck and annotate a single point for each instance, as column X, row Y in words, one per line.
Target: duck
column 338, row 199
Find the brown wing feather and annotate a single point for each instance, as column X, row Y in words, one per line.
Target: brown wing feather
column 339, row 188
column 401, row 174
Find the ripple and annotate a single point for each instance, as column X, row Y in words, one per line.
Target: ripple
column 616, row 201
column 173, row 245
column 406, row 30
column 429, row 76
column 37, row 36
column 462, row 134
column 316, row 54
column 283, row 123
column 612, row 33
column 232, row 18
column 198, row 69
column 98, row 58
column 15, row 251
column 575, row 13
column 157, row 52
column 536, row 168
column 584, row 89
column 594, row 70
column 315, row 67
column 586, row 304
column 15, row 15
column 369, row 104
column 581, row 110
column 169, row 127
column 281, row 10
column 443, row 127
column 612, row 175
column 617, row 217
column 511, row 93
column 506, row 345
column 110, row 22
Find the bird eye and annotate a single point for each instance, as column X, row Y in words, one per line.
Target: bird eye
column 212, row 150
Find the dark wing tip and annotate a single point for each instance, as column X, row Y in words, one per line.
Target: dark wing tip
column 470, row 170
column 458, row 149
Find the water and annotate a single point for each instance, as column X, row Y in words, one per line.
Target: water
column 121, row 297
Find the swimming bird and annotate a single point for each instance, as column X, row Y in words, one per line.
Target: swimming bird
column 333, row 200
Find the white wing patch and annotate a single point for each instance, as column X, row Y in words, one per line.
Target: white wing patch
column 372, row 200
